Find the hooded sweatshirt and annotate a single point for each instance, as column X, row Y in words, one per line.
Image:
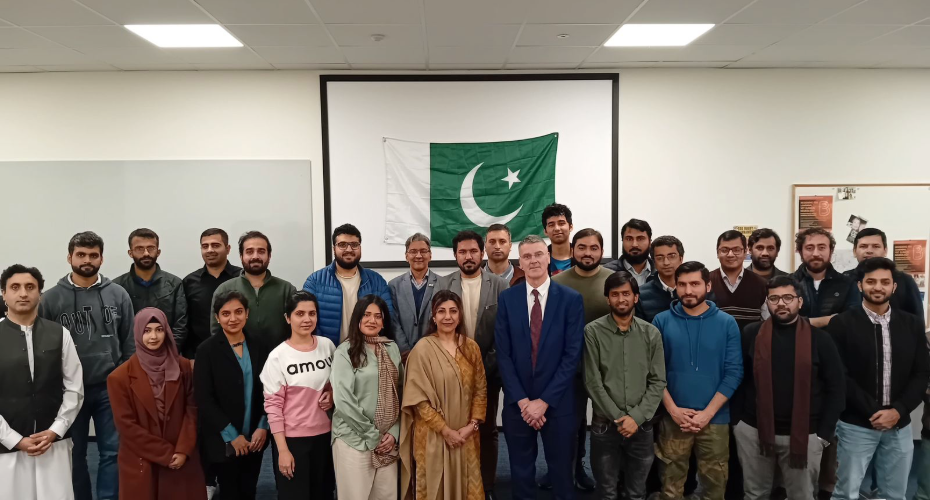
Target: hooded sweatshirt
column 99, row 319
column 703, row 356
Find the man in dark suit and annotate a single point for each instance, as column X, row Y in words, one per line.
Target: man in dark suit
column 539, row 337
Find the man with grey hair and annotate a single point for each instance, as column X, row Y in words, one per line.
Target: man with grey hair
column 411, row 294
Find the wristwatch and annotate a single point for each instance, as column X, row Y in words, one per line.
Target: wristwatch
column 474, row 423
column 823, row 442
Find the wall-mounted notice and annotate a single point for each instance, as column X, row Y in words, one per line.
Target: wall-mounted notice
column 746, row 230
column 815, row 211
column 910, row 257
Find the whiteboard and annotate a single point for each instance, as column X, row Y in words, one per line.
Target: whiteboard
column 50, row 201
column 359, row 111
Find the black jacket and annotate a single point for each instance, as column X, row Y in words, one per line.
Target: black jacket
column 837, row 293
column 860, row 344
column 220, row 397
column 165, row 293
column 906, row 296
column 653, row 299
column 617, row 265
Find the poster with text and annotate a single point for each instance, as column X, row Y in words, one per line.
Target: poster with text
column 910, row 257
column 815, row 211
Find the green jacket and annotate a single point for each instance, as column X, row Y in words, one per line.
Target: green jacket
column 266, row 321
column 355, row 397
column 624, row 372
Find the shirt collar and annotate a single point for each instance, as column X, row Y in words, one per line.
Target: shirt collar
column 875, row 317
column 414, row 281
column 227, row 270
column 646, row 270
column 738, row 278
column 665, row 287
column 543, row 289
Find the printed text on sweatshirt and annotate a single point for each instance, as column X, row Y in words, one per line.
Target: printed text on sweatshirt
column 293, row 382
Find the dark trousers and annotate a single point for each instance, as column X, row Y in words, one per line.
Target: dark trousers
column 238, row 477
column 613, row 455
column 314, row 473
column 488, row 436
column 558, row 437
column 581, row 416
column 735, row 481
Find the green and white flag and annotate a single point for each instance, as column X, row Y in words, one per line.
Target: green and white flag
column 440, row 189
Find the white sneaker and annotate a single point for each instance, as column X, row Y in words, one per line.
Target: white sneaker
column 211, row 490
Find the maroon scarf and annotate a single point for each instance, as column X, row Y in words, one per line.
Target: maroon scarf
column 765, row 408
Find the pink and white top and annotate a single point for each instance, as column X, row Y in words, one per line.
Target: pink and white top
column 293, row 382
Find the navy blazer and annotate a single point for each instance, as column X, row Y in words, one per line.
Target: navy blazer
column 560, row 346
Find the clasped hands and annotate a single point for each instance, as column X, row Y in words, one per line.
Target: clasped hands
column 533, row 412
column 37, row 443
column 692, row 421
column 244, row 446
column 457, row 438
column 884, row 420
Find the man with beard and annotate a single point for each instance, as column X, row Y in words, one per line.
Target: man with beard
column 39, row 405
column 339, row 285
column 624, row 372
column 557, row 225
column 826, row 292
column 657, row 293
column 266, row 294
column 792, row 394
column 200, row 285
column 586, row 277
column 737, row 293
column 411, row 294
column 479, row 291
column 99, row 315
column 704, row 366
column 764, row 245
column 637, row 239
column 885, row 352
column 498, row 244
column 149, row 286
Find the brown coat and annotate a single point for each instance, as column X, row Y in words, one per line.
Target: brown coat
column 145, row 445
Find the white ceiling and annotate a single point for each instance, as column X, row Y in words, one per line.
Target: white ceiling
column 87, row 35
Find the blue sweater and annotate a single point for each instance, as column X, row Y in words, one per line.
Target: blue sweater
column 325, row 285
column 703, row 356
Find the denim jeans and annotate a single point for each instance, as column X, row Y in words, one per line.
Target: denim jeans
column 611, row 454
column 893, row 451
column 923, row 474
column 96, row 406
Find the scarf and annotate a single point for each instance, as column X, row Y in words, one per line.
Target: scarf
column 160, row 365
column 801, row 405
column 387, row 410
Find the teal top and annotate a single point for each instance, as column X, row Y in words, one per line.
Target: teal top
column 245, row 363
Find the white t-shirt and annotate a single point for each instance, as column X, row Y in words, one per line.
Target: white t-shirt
column 349, row 299
column 817, row 284
column 471, row 296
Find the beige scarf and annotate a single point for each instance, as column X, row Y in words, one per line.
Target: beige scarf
column 387, row 409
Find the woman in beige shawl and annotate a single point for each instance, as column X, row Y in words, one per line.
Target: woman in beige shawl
column 444, row 400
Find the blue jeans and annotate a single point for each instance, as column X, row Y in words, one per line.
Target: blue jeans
column 96, row 406
column 893, row 451
column 923, row 474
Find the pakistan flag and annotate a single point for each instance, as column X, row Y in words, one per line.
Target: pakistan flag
column 440, row 189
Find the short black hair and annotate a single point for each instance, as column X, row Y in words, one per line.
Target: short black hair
column 637, row 224
column 761, row 234
column 86, row 239
column 556, row 210
column 784, row 280
column 227, row 297
column 143, row 232
column 618, row 279
column 870, row 231
column 347, row 229
column 586, row 232
column 20, row 269
column 693, row 267
column 248, row 235
column 731, row 235
column 802, row 236
column 465, row 236
column 874, row 264
column 296, row 298
column 667, row 241
column 213, row 231
column 498, row 227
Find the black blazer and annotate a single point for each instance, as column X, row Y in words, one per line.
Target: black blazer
column 218, row 390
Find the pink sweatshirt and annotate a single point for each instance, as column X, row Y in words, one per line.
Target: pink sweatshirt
column 293, row 383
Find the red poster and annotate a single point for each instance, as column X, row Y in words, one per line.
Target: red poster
column 910, row 257
column 815, row 211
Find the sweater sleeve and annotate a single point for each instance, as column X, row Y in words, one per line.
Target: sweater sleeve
column 732, row 362
column 274, row 387
column 126, row 339
column 834, row 386
column 430, row 417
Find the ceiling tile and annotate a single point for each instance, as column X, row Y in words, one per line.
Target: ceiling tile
column 824, row 34
column 476, row 11
column 43, row 57
column 311, row 66
column 359, row 35
column 766, row 64
column 156, row 67
column 368, row 12
column 234, row 66
column 384, row 55
column 522, row 66
column 908, row 56
column 791, row 11
column 781, row 52
column 20, row 69
column 79, row 67
column 280, row 35
column 4, row 23
column 580, row 11
column 599, row 65
column 226, row 55
column 578, row 34
column 49, row 13
column 549, row 54
column 692, row 64
column 18, row 38
column 440, row 66
column 688, row 11
column 913, row 36
column 468, row 55
column 883, row 12
column 627, row 54
column 149, row 12
column 300, row 55
column 92, row 36
column 485, row 35
column 747, row 34
column 390, row 66
column 714, row 53
column 135, row 56
column 259, row 12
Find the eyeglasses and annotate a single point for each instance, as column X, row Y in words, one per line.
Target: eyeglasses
column 787, row 298
column 414, row 253
column 342, row 245
column 734, row 250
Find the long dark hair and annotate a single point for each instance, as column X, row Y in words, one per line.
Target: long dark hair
column 445, row 296
column 356, row 338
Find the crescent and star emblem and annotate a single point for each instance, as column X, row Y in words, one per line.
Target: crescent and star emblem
column 474, row 213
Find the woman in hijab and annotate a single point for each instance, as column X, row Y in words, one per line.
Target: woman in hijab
column 445, row 398
column 152, row 396
column 367, row 376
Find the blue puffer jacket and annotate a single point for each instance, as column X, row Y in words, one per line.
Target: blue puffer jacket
column 325, row 285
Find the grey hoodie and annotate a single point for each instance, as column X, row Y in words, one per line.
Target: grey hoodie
column 100, row 321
